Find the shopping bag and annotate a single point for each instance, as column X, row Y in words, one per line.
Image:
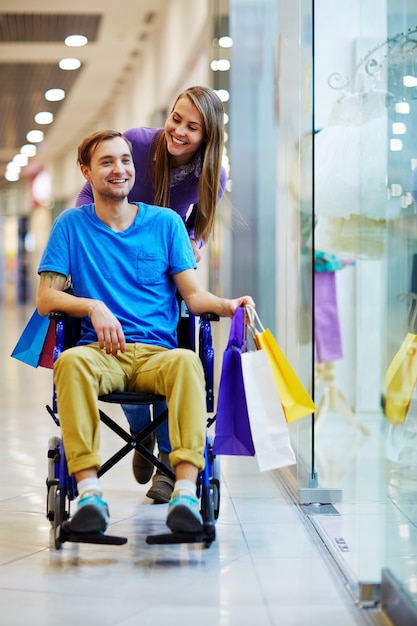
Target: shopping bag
column 232, row 432
column 36, row 343
column 295, row 399
column 270, row 433
column 400, row 380
column 327, row 335
column 47, row 355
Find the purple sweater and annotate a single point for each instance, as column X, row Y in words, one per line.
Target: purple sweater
column 183, row 194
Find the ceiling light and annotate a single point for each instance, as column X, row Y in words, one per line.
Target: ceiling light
column 395, row 145
column 396, row 190
column 225, row 42
column 28, row 149
column 223, row 65
column 44, row 117
column 223, row 94
column 35, row 136
column 13, row 167
column 220, row 65
column 409, row 81
column 402, row 107
column 11, row 176
column 69, row 64
column 54, row 95
column 398, row 128
column 21, row 160
column 76, row 41
column 12, row 172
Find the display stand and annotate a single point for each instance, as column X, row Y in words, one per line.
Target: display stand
column 333, row 398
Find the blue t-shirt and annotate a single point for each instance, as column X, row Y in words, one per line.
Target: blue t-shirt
column 130, row 271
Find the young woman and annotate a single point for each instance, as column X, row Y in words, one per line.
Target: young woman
column 178, row 167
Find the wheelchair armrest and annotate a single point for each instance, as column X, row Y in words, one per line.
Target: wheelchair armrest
column 210, row 317
column 56, row 315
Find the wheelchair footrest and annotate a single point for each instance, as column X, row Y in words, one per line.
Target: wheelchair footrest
column 67, row 534
column 206, row 537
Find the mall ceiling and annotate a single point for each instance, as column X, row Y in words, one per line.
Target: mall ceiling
column 32, row 44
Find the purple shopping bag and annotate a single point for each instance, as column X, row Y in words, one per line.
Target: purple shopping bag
column 233, row 435
column 327, row 337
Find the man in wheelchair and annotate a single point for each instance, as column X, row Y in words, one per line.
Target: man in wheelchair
column 126, row 262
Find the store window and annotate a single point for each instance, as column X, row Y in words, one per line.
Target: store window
column 323, row 146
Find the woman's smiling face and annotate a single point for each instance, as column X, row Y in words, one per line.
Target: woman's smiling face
column 184, row 132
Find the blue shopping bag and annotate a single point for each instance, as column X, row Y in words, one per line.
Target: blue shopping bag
column 36, row 343
column 233, row 434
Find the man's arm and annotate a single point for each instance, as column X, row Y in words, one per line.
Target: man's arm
column 200, row 301
column 51, row 297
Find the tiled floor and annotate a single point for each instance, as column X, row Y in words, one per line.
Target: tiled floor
column 266, row 567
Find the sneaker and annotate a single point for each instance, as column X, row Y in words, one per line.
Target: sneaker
column 143, row 469
column 92, row 515
column 184, row 514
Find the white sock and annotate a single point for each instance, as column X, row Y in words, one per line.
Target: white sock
column 89, row 485
column 185, row 488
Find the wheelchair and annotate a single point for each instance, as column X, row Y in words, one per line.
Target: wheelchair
column 61, row 486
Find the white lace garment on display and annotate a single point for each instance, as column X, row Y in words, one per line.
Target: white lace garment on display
column 351, row 158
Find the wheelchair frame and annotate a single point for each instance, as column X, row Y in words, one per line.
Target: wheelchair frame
column 61, row 487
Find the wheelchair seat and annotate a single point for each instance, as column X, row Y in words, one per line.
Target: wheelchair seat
column 131, row 397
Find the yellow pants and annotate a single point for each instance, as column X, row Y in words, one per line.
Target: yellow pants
column 83, row 373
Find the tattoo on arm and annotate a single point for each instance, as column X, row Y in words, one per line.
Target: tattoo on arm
column 52, row 280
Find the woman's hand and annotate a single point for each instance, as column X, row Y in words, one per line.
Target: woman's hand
column 196, row 250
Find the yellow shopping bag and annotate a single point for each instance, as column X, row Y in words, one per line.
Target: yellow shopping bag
column 400, row 380
column 295, row 399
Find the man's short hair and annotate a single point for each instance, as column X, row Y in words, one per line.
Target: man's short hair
column 90, row 143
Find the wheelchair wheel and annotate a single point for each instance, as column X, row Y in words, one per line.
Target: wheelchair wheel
column 210, row 493
column 61, row 514
column 215, row 484
column 214, row 477
column 57, row 503
column 51, row 481
column 207, row 505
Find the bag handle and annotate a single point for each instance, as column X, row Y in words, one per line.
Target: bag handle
column 253, row 321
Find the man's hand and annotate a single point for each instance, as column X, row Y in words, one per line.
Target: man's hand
column 232, row 305
column 108, row 328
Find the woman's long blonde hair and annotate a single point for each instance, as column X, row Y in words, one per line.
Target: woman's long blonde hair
column 211, row 109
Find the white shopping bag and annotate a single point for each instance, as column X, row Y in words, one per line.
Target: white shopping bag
column 270, row 433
